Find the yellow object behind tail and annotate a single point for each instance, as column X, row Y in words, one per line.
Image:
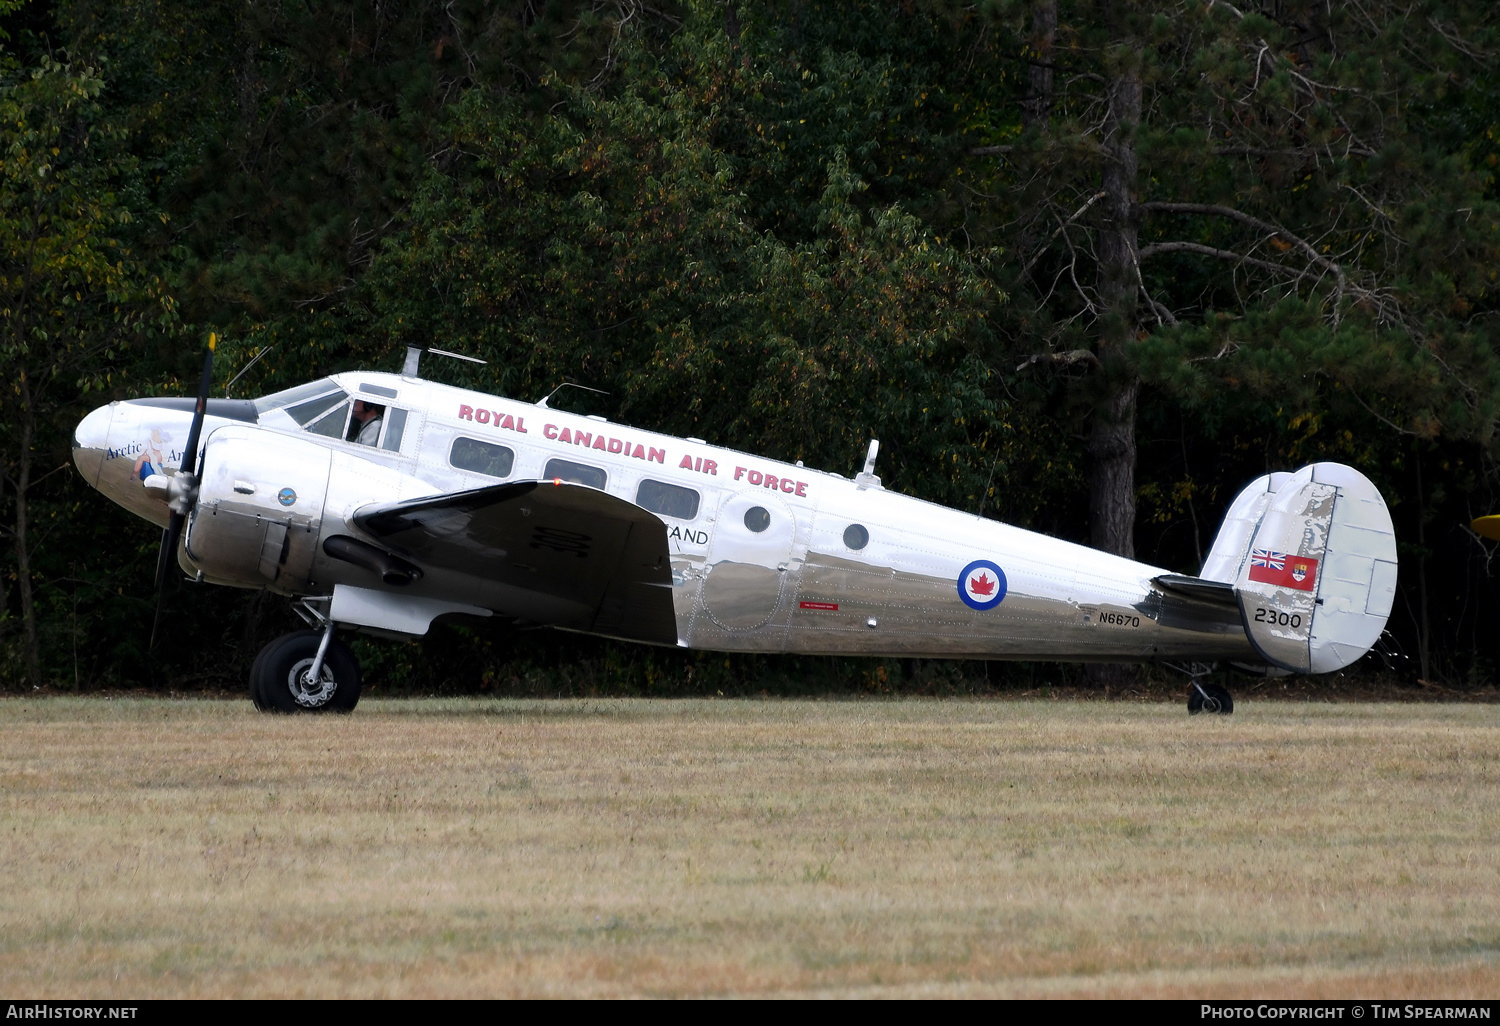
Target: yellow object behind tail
column 1487, row 527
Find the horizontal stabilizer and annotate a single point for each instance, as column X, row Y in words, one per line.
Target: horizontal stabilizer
column 1217, row 592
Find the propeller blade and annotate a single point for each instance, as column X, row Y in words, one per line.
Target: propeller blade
column 190, row 454
column 171, row 536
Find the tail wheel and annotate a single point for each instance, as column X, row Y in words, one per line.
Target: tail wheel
column 1209, row 698
column 282, row 680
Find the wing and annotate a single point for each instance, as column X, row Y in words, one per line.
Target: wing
column 557, row 540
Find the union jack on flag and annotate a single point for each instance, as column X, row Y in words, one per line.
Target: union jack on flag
column 1268, row 559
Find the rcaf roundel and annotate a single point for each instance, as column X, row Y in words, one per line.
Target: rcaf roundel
column 982, row 585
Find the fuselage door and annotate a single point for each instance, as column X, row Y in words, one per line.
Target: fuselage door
column 748, row 559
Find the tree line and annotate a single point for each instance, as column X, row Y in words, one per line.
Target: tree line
column 1086, row 267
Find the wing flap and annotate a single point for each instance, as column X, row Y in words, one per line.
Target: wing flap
column 603, row 557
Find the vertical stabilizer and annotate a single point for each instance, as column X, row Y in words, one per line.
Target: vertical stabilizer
column 1319, row 579
column 1232, row 544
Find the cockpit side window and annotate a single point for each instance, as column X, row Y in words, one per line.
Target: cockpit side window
column 332, row 423
column 305, row 413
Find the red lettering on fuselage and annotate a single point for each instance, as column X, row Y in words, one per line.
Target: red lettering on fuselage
column 755, row 477
column 498, row 420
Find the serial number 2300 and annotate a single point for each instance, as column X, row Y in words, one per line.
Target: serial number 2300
column 1278, row 618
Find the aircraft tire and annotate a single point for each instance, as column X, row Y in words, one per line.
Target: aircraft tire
column 292, row 654
column 257, row 684
column 1218, row 701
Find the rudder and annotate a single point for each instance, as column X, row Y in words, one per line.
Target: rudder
column 1318, row 577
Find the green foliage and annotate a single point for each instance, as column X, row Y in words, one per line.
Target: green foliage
column 786, row 227
column 76, row 303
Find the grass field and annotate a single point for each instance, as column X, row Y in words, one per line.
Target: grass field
column 600, row 848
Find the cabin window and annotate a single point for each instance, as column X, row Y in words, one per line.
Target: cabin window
column 331, row 424
column 395, row 427
column 856, row 537
column 757, row 518
column 578, row 473
column 481, row 457
column 668, row 500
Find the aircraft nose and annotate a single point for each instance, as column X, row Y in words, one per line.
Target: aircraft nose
column 90, row 443
column 93, row 431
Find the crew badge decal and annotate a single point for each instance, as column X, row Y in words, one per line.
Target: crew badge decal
column 286, row 496
column 982, row 585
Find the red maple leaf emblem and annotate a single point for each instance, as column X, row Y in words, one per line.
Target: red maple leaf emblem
column 982, row 585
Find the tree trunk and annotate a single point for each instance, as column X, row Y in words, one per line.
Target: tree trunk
column 23, row 555
column 1424, row 625
column 1112, row 437
column 1037, row 107
column 1112, row 440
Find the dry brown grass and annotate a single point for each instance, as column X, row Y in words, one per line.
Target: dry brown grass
column 597, row 848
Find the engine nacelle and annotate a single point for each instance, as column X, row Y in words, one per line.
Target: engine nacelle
column 260, row 510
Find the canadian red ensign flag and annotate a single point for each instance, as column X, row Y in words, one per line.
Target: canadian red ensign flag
column 1284, row 571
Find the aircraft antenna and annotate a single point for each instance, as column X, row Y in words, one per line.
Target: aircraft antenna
column 414, row 356
column 253, row 361
column 542, row 402
column 983, row 498
column 867, row 477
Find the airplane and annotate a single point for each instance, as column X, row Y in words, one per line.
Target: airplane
column 380, row 503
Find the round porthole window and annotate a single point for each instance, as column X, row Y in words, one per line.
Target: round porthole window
column 856, row 537
column 757, row 518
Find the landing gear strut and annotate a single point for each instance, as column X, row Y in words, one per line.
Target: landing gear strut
column 1203, row 696
column 306, row 671
column 1209, row 698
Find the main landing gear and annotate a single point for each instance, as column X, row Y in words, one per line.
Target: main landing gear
column 306, row 671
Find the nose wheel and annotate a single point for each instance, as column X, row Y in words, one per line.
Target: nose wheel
column 305, row 671
column 1209, row 698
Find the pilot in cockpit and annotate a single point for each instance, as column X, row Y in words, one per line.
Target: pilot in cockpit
column 364, row 426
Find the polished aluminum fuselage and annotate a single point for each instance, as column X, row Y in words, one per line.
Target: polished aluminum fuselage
column 796, row 586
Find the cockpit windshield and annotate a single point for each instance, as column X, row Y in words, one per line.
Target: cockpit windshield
column 296, row 397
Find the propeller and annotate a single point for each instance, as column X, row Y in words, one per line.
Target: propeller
column 182, row 489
